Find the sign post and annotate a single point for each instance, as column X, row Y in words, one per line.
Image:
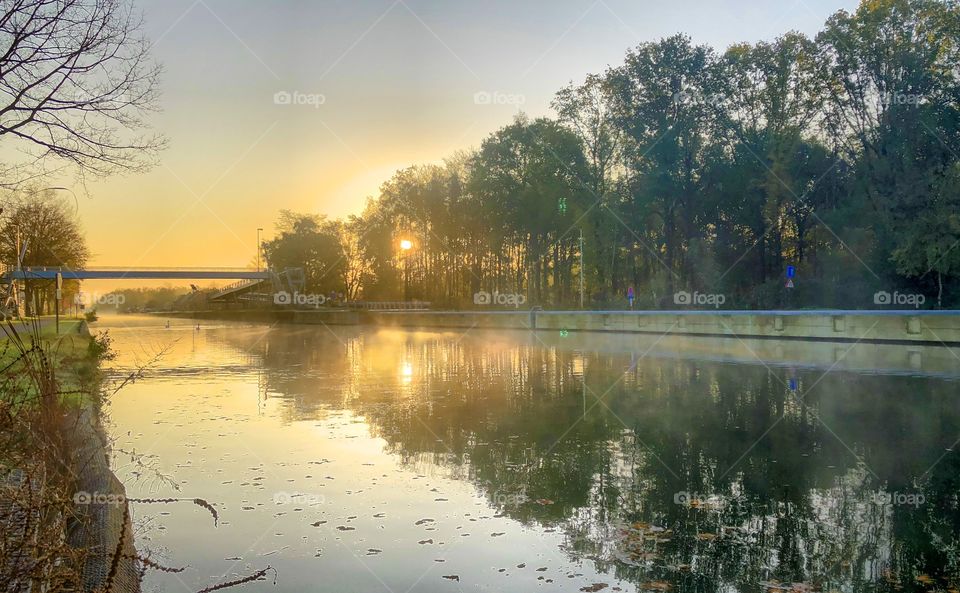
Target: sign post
column 56, row 300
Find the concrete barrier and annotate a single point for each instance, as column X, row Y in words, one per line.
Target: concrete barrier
column 907, row 327
column 932, row 327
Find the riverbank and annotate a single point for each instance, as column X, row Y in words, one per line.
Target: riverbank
column 55, row 461
column 889, row 327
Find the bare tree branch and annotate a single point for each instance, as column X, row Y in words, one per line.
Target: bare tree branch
column 76, row 81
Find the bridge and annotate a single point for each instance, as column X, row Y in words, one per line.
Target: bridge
column 137, row 273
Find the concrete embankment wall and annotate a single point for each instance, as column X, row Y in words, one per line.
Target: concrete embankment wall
column 908, row 327
column 100, row 527
column 931, row 327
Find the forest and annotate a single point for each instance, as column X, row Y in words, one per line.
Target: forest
column 688, row 169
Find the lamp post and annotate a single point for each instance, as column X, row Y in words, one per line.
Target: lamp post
column 259, row 230
column 581, row 267
column 405, row 246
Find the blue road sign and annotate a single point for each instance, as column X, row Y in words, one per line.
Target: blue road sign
column 791, row 271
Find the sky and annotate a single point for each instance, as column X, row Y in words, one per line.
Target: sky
column 373, row 86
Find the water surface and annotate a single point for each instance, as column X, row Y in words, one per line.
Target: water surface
column 358, row 459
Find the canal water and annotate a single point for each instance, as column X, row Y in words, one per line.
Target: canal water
column 365, row 459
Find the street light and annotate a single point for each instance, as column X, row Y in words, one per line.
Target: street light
column 406, row 245
column 259, row 230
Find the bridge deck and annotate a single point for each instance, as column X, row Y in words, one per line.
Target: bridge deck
column 114, row 273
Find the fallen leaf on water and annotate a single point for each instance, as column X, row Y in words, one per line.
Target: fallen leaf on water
column 594, row 587
column 452, row 577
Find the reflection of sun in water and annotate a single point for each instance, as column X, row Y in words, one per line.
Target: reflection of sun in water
column 406, row 372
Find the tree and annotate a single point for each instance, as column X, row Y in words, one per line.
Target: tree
column 75, row 81
column 49, row 230
column 356, row 269
column 665, row 97
column 587, row 109
column 312, row 243
column 533, row 176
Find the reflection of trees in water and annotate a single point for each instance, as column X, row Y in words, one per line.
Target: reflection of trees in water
column 791, row 502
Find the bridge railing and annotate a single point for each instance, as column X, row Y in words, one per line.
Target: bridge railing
column 239, row 285
column 389, row 305
column 137, row 273
column 139, row 268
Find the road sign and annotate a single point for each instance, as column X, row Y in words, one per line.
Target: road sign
column 789, row 283
column 791, row 271
column 630, row 296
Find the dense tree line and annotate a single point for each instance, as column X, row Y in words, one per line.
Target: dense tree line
column 689, row 169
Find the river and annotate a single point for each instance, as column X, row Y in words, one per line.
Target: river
column 381, row 460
